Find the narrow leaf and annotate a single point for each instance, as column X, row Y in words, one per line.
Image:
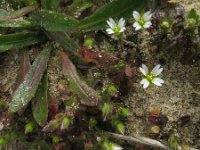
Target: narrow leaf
column 64, row 40
column 117, row 8
column 87, row 95
column 23, row 11
column 16, row 23
column 50, row 4
column 54, row 123
column 40, row 103
column 24, row 66
column 28, row 88
column 18, row 40
column 78, row 6
column 14, row 19
column 16, row 14
column 53, row 21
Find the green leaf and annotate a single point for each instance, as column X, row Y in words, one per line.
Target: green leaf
column 52, row 21
column 23, row 11
column 64, row 40
column 87, row 95
column 78, row 6
column 50, row 4
column 16, row 23
column 193, row 14
column 16, row 4
column 117, row 8
column 4, row 15
column 55, row 123
column 40, row 102
column 13, row 19
column 18, row 40
column 28, row 87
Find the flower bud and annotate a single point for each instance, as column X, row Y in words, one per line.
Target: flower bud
column 29, row 127
column 165, row 25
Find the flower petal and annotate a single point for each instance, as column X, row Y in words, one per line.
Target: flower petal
column 122, row 29
column 136, row 15
column 137, row 26
column 147, row 24
column 121, row 23
column 111, row 23
column 109, row 31
column 115, row 147
column 157, row 70
column 144, row 69
column 147, row 16
column 158, row 81
column 145, row 83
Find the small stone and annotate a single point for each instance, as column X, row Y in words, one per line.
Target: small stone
column 155, row 129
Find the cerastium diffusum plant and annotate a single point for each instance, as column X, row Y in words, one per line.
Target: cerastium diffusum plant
column 151, row 77
column 36, row 27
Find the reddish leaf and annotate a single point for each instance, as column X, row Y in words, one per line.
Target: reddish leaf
column 88, row 54
column 27, row 89
column 24, row 66
column 87, row 95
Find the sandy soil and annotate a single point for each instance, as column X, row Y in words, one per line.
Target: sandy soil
column 178, row 97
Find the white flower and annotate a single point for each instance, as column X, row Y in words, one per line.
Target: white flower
column 151, row 76
column 116, row 147
column 142, row 21
column 116, row 28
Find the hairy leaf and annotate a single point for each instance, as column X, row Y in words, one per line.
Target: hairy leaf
column 18, row 40
column 87, row 95
column 79, row 5
column 4, row 15
column 28, row 88
column 54, row 123
column 40, row 102
column 53, row 21
column 117, row 8
column 16, row 4
column 50, row 4
column 24, row 66
column 14, row 19
column 64, row 40
column 15, row 23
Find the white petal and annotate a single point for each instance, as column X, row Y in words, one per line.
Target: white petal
column 122, row 29
column 147, row 24
column 111, row 23
column 137, row 26
column 136, row 15
column 145, row 83
column 116, row 147
column 158, row 81
column 144, row 69
column 121, row 22
column 157, row 70
column 109, row 31
column 147, row 16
